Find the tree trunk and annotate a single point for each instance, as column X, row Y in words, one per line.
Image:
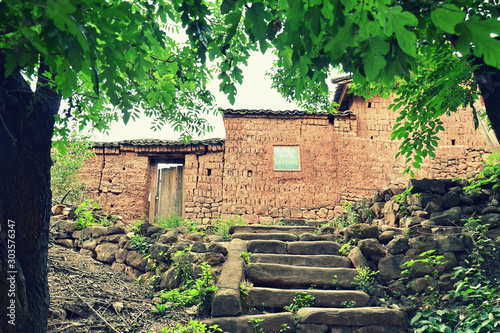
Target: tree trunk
column 489, row 83
column 26, row 127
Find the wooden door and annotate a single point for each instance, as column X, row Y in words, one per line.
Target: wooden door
column 169, row 191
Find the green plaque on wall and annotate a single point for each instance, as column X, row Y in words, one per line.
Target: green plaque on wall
column 286, row 158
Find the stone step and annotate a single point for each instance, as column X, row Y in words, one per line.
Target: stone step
column 318, row 320
column 280, row 236
column 301, row 260
column 354, row 317
column 273, row 275
column 270, row 323
column 296, row 230
column 276, row 299
column 304, row 248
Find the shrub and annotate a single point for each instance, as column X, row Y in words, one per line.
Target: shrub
column 67, row 162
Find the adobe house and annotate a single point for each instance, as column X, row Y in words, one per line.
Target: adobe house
column 274, row 164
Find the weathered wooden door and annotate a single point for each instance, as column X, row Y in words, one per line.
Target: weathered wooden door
column 169, row 191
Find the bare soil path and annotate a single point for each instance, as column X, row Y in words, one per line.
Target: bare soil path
column 87, row 296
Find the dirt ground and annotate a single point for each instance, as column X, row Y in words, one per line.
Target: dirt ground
column 87, row 296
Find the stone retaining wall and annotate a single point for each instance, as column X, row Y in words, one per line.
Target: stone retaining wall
column 114, row 247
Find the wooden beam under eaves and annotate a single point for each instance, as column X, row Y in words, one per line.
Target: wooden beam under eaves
column 342, row 94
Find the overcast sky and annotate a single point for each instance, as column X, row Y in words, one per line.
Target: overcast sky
column 255, row 93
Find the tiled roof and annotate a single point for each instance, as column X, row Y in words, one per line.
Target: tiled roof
column 341, row 79
column 155, row 142
column 272, row 112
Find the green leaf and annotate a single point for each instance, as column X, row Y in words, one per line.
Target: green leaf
column 344, row 38
column 397, row 20
column 228, row 6
column 374, row 60
column 447, row 17
column 233, row 20
column 256, row 20
column 479, row 33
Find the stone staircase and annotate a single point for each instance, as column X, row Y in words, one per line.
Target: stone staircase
column 286, row 260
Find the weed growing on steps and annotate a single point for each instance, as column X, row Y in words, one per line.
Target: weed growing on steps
column 348, row 304
column 301, row 300
column 193, row 326
column 192, row 292
column 255, row 323
column 346, row 248
column 246, row 256
column 335, row 282
column 365, row 280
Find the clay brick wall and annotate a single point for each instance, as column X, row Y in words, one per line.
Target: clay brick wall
column 255, row 191
column 203, row 185
column 367, row 156
column 344, row 157
column 120, row 178
column 119, row 182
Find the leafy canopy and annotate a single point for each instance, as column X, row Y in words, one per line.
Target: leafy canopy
column 113, row 58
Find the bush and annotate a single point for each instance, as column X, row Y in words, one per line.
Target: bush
column 221, row 227
column 68, row 161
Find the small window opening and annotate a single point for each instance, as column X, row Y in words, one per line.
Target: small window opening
column 452, row 142
column 369, row 104
column 249, row 173
column 209, row 172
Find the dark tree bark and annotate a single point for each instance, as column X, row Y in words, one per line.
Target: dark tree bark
column 26, row 127
column 488, row 79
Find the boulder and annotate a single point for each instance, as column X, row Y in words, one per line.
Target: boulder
column 389, row 267
column 106, row 252
column 361, row 231
column 168, row 238
column 121, row 256
column 450, row 199
column 371, row 247
column 450, row 244
column 135, row 259
column 398, row 245
column 217, row 248
column 432, row 185
column 358, row 259
column 214, row 259
column 449, row 217
column 198, row 247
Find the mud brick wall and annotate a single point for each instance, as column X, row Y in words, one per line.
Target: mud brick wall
column 203, row 185
column 255, row 191
column 119, row 182
column 366, row 155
